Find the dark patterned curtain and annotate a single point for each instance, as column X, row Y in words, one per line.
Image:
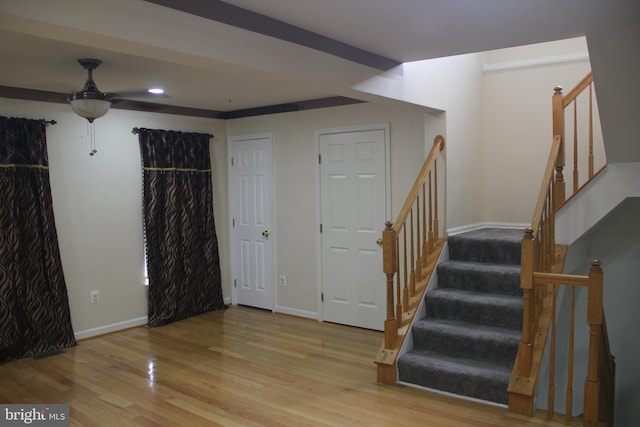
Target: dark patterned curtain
column 34, row 307
column 183, row 264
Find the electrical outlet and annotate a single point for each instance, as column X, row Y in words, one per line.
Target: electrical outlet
column 95, row 297
column 283, row 280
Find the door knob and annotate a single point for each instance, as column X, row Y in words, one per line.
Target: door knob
column 265, row 233
column 379, row 241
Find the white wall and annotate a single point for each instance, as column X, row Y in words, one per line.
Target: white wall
column 453, row 85
column 517, row 88
column 98, row 207
column 98, row 201
column 481, row 167
column 295, row 166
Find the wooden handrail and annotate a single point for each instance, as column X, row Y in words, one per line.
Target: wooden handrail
column 541, row 279
column 577, row 90
column 410, row 247
column 547, row 181
column 438, row 145
column 581, row 147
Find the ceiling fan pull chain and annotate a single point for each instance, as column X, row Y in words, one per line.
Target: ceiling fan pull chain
column 91, row 130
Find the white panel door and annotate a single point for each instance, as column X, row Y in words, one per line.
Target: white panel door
column 250, row 188
column 353, row 210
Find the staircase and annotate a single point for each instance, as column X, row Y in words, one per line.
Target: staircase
column 468, row 340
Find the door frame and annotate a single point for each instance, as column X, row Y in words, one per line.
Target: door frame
column 232, row 205
column 387, row 153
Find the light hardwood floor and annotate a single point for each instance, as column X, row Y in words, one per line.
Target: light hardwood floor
column 237, row 367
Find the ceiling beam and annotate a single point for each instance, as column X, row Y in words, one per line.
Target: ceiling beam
column 229, row 14
column 150, row 107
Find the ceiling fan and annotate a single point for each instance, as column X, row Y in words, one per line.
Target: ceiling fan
column 90, row 102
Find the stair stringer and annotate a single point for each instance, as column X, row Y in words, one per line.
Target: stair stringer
column 421, row 310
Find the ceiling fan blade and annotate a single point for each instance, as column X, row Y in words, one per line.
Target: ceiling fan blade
column 140, row 93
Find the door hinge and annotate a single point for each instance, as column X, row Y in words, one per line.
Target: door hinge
column 321, row 296
column 235, row 285
column 233, row 222
column 320, row 228
column 320, row 158
column 232, row 161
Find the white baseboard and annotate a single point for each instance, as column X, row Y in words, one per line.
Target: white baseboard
column 106, row 329
column 478, row 226
column 296, row 312
column 101, row 330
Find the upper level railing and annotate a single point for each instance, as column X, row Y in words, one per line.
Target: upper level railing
column 407, row 248
column 574, row 120
column 541, row 280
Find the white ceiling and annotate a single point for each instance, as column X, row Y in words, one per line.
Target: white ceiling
column 402, row 30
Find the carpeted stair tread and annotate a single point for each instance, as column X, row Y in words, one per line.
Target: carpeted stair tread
column 468, row 377
column 480, row 277
column 477, row 307
column 492, row 245
column 464, row 339
column 468, row 340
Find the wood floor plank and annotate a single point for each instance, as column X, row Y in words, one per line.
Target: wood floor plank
column 237, row 367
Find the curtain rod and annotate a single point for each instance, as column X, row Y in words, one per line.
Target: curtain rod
column 50, row 122
column 136, row 131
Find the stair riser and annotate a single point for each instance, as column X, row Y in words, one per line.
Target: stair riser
column 491, row 350
column 490, row 389
column 501, row 247
column 456, row 276
column 464, row 311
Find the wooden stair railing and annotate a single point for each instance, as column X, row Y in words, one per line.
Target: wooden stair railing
column 583, row 138
column 411, row 247
column 541, row 266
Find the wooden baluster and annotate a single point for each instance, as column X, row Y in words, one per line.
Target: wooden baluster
column 431, row 224
column 570, row 356
column 526, row 283
column 594, row 318
column 552, row 357
column 558, row 129
column 436, row 223
column 405, row 289
column 412, row 282
column 544, row 235
column 418, row 259
column 575, row 146
column 425, row 224
column 390, row 266
column 552, row 226
column 591, row 170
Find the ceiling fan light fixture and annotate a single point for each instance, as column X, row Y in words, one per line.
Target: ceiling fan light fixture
column 89, row 105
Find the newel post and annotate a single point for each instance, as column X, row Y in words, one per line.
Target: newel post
column 389, row 260
column 525, row 349
column 558, row 129
column 594, row 318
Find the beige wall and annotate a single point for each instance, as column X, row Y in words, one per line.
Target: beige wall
column 517, row 86
column 493, row 123
column 98, row 207
column 295, row 166
column 98, row 201
column 453, row 84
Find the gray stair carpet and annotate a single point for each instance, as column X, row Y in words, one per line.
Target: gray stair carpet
column 468, row 340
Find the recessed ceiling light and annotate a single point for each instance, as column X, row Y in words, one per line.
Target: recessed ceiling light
column 156, row 91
